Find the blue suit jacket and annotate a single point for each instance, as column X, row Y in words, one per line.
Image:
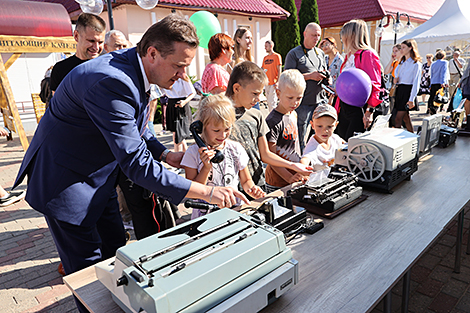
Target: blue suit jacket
column 92, row 127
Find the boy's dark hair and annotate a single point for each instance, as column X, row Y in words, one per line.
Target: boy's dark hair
column 162, row 35
column 244, row 73
column 90, row 20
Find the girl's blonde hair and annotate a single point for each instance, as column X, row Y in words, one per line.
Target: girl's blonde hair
column 357, row 35
column 292, row 78
column 217, row 109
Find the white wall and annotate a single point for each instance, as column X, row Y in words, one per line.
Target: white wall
column 134, row 21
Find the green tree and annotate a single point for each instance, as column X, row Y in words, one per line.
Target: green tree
column 286, row 34
column 308, row 13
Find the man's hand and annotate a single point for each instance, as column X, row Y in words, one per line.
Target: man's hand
column 317, row 76
column 174, row 159
column 225, row 197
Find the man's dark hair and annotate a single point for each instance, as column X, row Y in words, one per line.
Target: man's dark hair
column 162, row 35
column 90, row 20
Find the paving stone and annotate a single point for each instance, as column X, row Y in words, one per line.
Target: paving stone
column 455, row 288
column 440, row 250
column 419, row 303
column 464, row 274
column 464, row 303
column 420, row 273
column 429, row 261
column 441, row 273
column 443, row 303
column 430, row 287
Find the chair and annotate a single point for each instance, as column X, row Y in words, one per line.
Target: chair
column 39, row 106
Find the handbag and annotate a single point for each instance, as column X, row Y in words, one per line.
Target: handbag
column 441, row 97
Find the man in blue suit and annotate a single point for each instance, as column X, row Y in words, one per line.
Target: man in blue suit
column 96, row 124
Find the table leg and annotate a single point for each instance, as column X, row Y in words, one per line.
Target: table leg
column 388, row 302
column 458, row 248
column 406, row 292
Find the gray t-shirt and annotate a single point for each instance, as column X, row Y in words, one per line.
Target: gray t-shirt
column 296, row 59
column 250, row 125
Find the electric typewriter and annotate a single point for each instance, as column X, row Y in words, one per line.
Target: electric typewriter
column 224, row 261
column 330, row 193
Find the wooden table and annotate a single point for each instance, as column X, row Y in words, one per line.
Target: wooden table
column 352, row 263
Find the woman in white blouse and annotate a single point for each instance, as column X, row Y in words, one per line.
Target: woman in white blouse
column 407, row 78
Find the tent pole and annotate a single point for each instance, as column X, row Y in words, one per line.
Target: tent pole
column 110, row 15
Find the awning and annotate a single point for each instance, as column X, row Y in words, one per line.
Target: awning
column 28, row 18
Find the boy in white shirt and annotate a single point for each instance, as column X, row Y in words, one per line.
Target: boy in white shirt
column 320, row 149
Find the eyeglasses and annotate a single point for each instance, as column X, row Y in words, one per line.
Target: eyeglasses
column 325, row 44
column 428, row 57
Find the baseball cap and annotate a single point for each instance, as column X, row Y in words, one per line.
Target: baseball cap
column 325, row 110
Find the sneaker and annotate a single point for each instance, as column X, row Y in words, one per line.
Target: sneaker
column 13, row 197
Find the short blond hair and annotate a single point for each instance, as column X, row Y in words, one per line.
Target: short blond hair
column 218, row 109
column 292, row 78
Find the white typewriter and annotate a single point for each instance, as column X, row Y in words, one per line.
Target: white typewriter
column 221, row 262
column 381, row 158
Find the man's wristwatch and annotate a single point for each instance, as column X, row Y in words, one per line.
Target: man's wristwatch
column 164, row 155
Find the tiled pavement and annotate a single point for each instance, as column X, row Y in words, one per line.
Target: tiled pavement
column 29, row 281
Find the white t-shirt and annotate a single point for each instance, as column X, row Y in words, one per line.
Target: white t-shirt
column 318, row 155
column 180, row 89
column 225, row 173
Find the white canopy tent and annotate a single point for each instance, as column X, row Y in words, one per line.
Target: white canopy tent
column 448, row 29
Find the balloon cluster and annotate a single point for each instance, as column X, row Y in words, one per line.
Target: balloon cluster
column 91, row 6
column 207, row 25
column 96, row 6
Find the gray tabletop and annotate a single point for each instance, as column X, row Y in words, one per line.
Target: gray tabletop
column 357, row 258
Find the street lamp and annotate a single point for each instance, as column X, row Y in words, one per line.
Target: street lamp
column 96, row 7
column 397, row 27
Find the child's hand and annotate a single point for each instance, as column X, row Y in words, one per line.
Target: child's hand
column 298, row 177
column 206, row 155
column 302, row 168
column 256, row 192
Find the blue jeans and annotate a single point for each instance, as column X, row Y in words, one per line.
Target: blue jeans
column 304, row 116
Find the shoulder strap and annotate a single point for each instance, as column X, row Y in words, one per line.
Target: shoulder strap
column 458, row 70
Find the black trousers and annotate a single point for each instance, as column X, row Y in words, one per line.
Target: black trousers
column 83, row 246
column 350, row 121
column 140, row 204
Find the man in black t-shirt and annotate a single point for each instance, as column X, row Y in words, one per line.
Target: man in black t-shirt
column 89, row 35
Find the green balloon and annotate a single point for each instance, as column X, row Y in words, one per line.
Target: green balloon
column 207, row 25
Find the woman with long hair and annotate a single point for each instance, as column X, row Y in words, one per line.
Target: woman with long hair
column 215, row 77
column 243, row 43
column 407, row 78
column 359, row 54
column 333, row 58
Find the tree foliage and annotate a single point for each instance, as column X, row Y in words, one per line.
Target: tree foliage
column 286, row 34
column 308, row 13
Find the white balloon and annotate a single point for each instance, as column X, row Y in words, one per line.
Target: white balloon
column 96, row 7
column 147, row 4
column 85, row 2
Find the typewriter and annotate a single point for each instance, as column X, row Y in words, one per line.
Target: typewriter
column 224, row 261
column 330, row 193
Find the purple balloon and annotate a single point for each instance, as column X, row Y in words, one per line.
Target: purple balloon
column 353, row 87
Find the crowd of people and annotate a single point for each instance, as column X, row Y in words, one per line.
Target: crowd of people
column 97, row 132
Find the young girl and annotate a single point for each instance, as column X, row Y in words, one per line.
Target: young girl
column 217, row 116
column 407, row 77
